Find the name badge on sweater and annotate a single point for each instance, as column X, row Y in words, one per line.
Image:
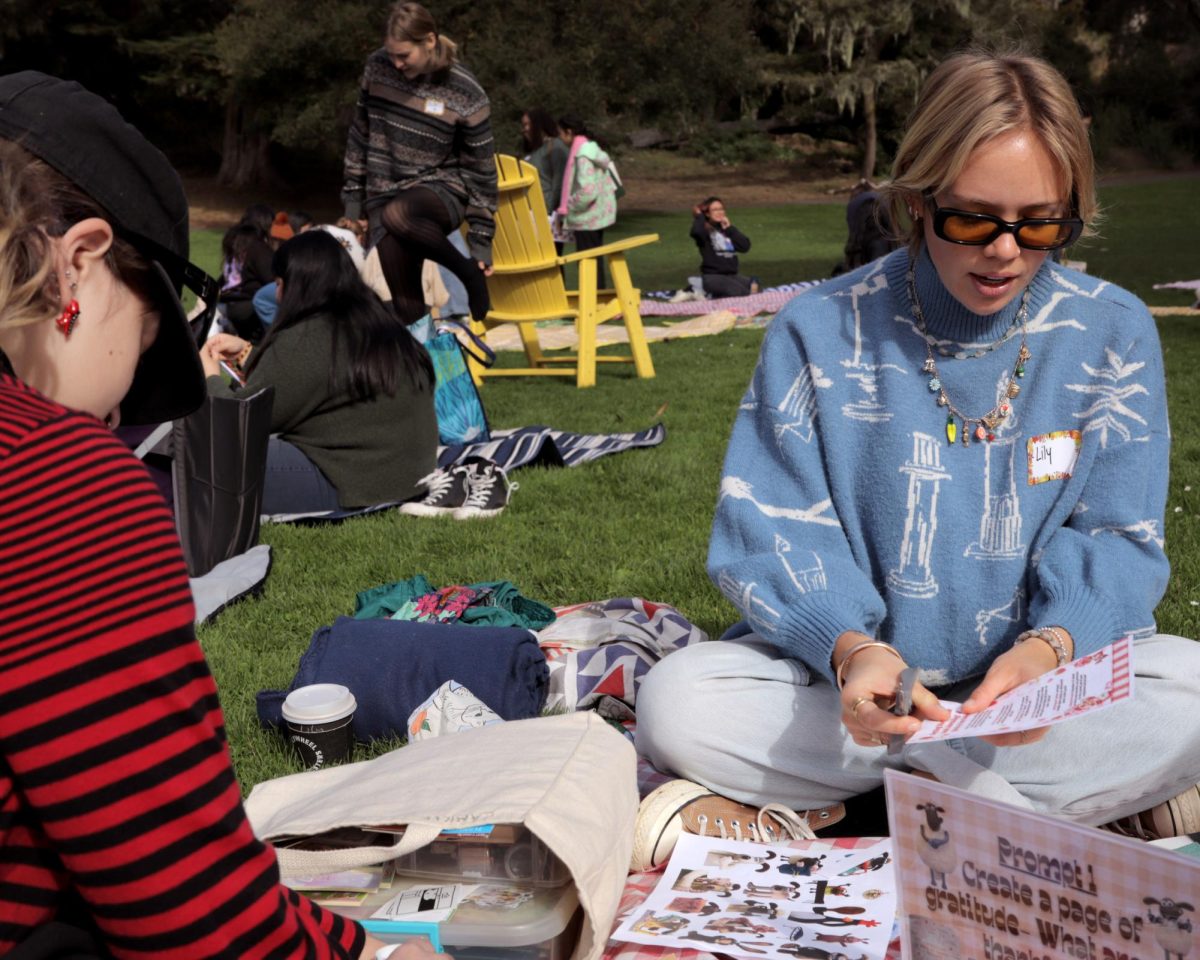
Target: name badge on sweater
column 435, row 107
column 1052, row 456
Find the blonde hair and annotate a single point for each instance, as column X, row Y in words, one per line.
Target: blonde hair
column 38, row 203
column 412, row 22
column 968, row 100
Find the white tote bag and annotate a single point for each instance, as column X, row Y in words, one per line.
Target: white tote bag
column 570, row 779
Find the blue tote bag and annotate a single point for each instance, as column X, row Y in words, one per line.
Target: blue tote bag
column 460, row 414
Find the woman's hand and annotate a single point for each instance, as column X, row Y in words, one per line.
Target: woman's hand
column 1028, row 659
column 870, row 689
column 418, row 948
column 486, row 268
column 221, row 346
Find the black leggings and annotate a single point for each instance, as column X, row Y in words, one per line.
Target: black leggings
column 417, row 223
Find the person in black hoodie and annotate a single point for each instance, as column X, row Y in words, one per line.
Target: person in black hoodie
column 720, row 242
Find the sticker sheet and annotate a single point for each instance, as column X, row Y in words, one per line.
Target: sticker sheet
column 1092, row 682
column 800, row 899
column 981, row 880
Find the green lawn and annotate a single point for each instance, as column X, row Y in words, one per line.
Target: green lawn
column 637, row 523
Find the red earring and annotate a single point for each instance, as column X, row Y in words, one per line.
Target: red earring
column 66, row 320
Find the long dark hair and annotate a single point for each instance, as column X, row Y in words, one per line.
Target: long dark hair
column 319, row 278
column 541, row 128
column 577, row 126
column 238, row 241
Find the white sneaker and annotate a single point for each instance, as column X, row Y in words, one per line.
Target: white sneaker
column 681, row 806
column 447, row 491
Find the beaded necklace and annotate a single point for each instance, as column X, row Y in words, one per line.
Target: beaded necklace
column 987, row 423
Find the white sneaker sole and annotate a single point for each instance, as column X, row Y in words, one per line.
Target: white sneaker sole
column 657, row 827
column 425, row 510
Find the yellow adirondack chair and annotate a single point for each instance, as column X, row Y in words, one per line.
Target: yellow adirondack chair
column 527, row 286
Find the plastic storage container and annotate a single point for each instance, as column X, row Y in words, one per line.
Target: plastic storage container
column 504, row 851
column 504, row 922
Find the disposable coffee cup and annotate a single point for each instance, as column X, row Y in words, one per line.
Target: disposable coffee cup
column 317, row 721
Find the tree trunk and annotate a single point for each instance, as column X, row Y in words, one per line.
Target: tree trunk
column 245, row 158
column 869, row 134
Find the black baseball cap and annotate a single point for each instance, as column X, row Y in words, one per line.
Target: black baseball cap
column 83, row 137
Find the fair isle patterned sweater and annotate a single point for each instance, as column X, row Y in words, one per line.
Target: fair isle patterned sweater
column 843, row 506
column 433, row 130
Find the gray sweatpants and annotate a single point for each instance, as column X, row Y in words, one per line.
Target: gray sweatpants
column 752, row 725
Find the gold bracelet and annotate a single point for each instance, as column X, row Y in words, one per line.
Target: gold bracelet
column 244, row 356
column 856, row 650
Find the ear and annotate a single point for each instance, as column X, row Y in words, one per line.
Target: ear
column 83, row 247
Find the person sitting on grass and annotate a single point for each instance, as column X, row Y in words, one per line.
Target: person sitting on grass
column 720, row 242
column 988, row 509
column 353, row 416
column 121, row 821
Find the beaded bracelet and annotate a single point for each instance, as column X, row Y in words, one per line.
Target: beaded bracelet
column 1049, row 636
column 856, row 650
column 244, row 356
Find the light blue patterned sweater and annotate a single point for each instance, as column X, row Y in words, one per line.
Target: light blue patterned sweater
column 843, row 506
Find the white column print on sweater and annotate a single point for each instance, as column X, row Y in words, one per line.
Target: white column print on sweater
column 807, row 579
column 914, row 577
column 868, row 409
column 1000, row 525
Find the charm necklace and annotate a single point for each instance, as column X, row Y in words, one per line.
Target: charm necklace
column 987, row 423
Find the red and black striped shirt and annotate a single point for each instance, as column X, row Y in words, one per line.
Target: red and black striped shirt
column 116, row 789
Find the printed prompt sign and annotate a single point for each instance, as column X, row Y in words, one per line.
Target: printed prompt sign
column 979, row 880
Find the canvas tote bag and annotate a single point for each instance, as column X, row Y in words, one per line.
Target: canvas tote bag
column 570, row 779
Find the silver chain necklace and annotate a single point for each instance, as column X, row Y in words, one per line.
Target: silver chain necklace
column 986, row 424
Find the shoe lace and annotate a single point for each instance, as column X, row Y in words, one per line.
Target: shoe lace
column 775, row 822
column 437, row 483
column 480, row 485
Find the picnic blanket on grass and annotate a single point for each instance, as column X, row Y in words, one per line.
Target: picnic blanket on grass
column 563, row 336
column 765, row 301
column 519, row 447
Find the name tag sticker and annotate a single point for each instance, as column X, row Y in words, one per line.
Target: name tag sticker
column 435, row 107
column 1052, row 456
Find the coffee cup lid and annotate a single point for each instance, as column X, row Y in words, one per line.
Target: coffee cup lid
column 319, row 703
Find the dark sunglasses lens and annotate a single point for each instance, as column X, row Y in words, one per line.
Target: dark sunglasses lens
column 1044, row 236
column 962, row 228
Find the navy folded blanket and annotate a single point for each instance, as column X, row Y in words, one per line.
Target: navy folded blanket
column 392, row 666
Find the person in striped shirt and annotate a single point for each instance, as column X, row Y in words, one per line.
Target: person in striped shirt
column 420, row 162
column 122, row 832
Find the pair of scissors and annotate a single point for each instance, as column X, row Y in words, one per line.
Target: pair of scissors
column 902, row 706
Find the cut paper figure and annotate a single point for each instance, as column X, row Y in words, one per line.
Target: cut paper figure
column 739, row 926
column 723, row 940
column 752, row 908
column 696, row 905
column 802, row 866
column 1011, row 612
column 820, row 889
column 776, row 891
column 1172, row 925
column 807, row 580
column 834, row 917
column 697, row 881
column 868, row 409
column 868, row 866
column 935, row 850
column 914, row 577
column 741, row 489
column 654, row 925
column 724, row 859
column 1110, row 406
column 814, row 953
column 799, row 404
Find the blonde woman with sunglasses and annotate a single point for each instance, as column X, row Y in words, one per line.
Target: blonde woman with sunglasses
column 953, row 458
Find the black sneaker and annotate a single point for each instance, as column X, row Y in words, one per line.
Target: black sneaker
column 447, row 492
column 488, row 491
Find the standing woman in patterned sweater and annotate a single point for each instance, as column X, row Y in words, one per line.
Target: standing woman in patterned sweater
column 122, row 832
column 954, row 458
column 420, row 161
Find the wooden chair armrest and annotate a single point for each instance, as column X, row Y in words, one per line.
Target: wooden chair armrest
column 617, row 246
